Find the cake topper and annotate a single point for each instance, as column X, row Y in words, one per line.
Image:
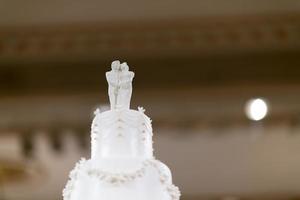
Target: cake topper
column 119, row 85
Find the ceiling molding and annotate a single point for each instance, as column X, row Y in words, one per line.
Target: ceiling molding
column 204, row 36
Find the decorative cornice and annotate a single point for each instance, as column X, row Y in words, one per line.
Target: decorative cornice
column 189, row 36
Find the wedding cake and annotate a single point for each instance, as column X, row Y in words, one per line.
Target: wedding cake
column 122, row 166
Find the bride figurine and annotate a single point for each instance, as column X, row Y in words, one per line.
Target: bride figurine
column 120, row 85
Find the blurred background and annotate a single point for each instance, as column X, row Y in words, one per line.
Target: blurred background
column 220, row 79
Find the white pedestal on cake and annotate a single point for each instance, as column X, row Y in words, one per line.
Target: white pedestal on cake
column 122, row 166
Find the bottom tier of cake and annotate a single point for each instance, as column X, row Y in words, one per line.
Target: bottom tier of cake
column 150, row 180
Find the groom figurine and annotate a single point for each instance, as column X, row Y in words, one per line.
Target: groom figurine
column 119, row 85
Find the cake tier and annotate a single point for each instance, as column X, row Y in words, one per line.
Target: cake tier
column 121, row 133
column 148, row 180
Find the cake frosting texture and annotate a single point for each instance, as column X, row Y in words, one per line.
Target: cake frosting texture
column 122, row 133
column 122, row 166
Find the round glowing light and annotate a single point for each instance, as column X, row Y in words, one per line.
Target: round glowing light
column 256, row 109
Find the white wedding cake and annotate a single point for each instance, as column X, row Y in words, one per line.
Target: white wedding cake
column 122, row 166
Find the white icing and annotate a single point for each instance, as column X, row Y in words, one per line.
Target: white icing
column 118, row 179
column 121, row 133
column 122, row 166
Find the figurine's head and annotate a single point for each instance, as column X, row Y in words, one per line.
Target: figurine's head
column 116, row 66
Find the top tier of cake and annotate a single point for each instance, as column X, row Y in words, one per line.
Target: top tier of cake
column 121, row 132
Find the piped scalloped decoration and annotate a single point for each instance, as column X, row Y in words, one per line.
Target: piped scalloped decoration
column 141, row 109
column 97, row 111
column 117, row 179
column 118, row 121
